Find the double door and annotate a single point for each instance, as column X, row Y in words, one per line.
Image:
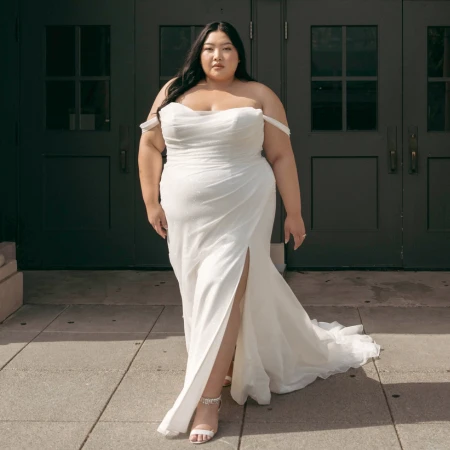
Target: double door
column 90, row 71
column 368, row 97
column 365, row 84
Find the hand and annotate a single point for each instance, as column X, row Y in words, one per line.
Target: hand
column 157, row 218
column 294, row 225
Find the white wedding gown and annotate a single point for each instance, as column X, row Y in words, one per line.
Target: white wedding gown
column 218, row 193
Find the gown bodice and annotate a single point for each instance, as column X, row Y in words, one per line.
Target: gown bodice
column 228, row 136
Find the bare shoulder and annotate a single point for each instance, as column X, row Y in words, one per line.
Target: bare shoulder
column 162, row 94
column 271, row 104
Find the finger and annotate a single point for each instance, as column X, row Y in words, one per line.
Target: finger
column 160, row 231
column 157, row 227
column 286, row 236
column 297, row 242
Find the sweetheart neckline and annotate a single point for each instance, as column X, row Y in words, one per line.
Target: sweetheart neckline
column 269, row 119
column 217, row 111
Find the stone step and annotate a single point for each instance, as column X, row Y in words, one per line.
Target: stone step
column 8, row 250
column 8, row 269
column 11, row 281
column 11, row 295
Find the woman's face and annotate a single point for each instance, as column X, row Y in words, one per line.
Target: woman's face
column 219, row 57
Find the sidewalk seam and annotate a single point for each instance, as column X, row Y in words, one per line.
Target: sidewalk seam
column 384, row 393
column 242, row 425
column 119, row 382
column 28, row 343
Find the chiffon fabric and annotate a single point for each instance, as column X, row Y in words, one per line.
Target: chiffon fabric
column 219, row 196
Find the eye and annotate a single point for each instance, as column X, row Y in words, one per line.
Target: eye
column 227, row 48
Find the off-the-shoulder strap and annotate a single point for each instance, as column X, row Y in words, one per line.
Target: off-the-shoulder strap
column 146, row 126
column 278, row 124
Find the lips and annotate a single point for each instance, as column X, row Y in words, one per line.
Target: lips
column 218, row 66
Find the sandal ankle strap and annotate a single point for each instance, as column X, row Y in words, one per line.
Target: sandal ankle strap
column 210, row 401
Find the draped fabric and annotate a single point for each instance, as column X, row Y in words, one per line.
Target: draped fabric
column 219, row 196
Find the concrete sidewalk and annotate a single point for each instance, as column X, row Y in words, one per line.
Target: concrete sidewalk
column 94, row 359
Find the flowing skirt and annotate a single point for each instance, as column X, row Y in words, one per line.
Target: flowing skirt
column 214, row 214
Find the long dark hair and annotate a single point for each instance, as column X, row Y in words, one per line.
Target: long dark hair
column 192, row 72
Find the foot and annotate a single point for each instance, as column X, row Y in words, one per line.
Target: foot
column 227, row 381
column 206, row 418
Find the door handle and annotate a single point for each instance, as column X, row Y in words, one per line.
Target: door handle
column 392, row 148
column 124, row 143
column 413, row 150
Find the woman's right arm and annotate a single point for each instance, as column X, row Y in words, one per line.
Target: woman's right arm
column 150, row 164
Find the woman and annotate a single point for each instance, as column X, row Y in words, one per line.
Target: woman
column 217, row 211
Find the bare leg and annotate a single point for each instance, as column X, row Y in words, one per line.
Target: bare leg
column 207, row 416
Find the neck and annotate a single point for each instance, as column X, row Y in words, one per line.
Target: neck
column 220, row 85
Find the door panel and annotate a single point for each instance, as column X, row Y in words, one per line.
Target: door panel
column 76, row 160
column 344, row 107
column 426, row 134
column 163, row 35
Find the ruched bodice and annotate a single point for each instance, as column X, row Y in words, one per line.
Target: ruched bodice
column 201, row 136
column 227, row 136
column 219, row 196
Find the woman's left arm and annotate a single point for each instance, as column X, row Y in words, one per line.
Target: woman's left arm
column 278, row 149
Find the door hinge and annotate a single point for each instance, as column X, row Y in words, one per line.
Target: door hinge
column 17, row 31
column 251, row 30
column 285, row 30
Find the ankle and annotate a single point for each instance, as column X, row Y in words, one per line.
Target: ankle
column 210, row 401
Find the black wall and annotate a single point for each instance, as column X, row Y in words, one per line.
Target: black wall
column 9, row 104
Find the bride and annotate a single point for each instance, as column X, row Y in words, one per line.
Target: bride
column 243, row 324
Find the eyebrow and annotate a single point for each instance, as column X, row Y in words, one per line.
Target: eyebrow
column 209, row 43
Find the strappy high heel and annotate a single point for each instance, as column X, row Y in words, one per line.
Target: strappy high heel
column 199, row 431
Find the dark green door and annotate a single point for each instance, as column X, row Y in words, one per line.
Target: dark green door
column 344, row 100
column 426, row 134
column 368, row 100
column 77, row 134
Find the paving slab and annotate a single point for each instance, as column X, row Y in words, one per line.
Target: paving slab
column 55, row 351
column 64, row 286
column 121, row 287
column 320, row 436
column 415, row 321
column 354, row 397
column 70, row 396
column 143, row 436
column 142, row 288
column 106, row 319
column 346, row 316
column 162, row 352
column 410, row 353
column 12, row 342
column 425, row 436
column 170, row 321
column 374, row 288
column 326, row 289
column 147, row 396
column 418, row 398
column 42, row 435
column 32, row 318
